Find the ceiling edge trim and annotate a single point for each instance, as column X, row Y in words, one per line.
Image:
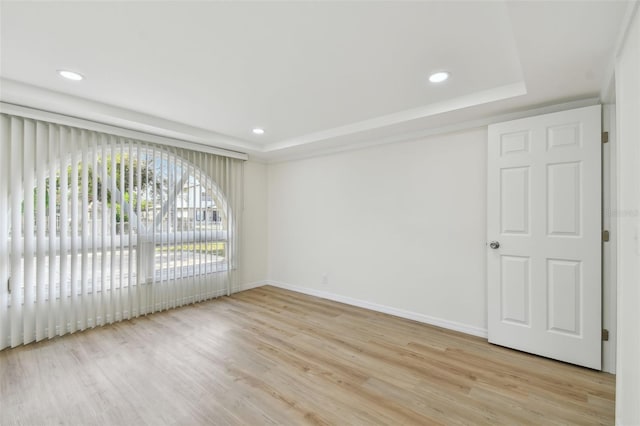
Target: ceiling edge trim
column 478, row 98
column 434, row 131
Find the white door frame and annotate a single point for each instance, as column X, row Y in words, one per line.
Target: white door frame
column 609, row 222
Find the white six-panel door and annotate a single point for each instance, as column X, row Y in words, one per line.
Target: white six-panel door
column 544, row 212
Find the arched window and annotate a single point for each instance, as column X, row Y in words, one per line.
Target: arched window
column 101, row 228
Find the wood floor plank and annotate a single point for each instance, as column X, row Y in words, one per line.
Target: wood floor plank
column 271, row 356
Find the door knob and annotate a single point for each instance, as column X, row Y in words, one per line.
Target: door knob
column 494, row 245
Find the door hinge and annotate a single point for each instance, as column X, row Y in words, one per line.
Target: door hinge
column 605, row 137
column 605, row 335
column 9, row 285
column 605, row 236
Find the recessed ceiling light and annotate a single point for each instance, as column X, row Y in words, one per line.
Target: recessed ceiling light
column 70, row 75
column 438, row 77
column 258, row 131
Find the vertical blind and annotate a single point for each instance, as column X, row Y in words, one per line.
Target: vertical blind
column 97, row 228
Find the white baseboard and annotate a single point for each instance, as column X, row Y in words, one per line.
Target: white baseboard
column 426, row 319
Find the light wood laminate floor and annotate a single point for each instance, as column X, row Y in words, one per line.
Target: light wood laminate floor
column 270, row 356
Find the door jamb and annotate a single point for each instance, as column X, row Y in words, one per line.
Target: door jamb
column 609, row 222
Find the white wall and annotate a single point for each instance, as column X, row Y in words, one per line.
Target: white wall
column 628, row 250
column 401, row 226
column 253, row 244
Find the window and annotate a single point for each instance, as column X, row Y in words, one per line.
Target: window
column 101, row 228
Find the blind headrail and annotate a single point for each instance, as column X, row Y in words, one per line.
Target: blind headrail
column 38, row 114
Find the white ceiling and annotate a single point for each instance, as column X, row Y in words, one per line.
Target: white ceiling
column 312, row 74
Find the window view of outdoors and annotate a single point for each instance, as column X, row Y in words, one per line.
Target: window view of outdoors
column 148, row 215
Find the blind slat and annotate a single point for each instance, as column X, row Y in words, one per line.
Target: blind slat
column 74, row 222
column 28, row 150
column 112, row 231
column 53, row 232
column 105, row 239
column 42, row 163
column 64, row 225
column 5, row 147
column 85, row 233
column 16, row 197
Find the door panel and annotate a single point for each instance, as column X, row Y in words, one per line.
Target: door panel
column 544, row 209
column 515, row 289
column 563, row 199
column 564, row 287
column 514, row 188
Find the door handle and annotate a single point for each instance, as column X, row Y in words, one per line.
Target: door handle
column 494, row 245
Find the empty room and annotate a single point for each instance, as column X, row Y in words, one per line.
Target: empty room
column 320, row 212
